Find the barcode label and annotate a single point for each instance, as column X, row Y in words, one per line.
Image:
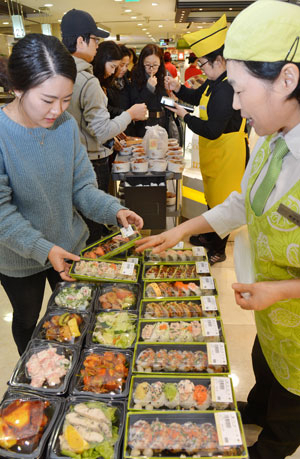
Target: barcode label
column 126, row 232
column 133, row 260
column 207, row 283
column 178, row 246
column 199, row 251
column 216, row 354
column 209, row 303
column 127, row 268
column 210, row 327
column 221, row 390
column 228, row 429
column 202, row 267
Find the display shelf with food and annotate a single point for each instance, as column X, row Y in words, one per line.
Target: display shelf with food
column 118, row 296
column 175, row 270
column 179, row 308
column 117, row 271
column 73, row 295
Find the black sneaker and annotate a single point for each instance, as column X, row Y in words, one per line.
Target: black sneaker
column 215, row 257
column 200, row 240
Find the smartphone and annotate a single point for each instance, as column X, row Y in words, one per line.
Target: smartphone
column 168, row 102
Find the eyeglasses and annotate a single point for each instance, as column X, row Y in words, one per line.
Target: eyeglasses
column 202, row 65
column 97, row 40
column 148, row 66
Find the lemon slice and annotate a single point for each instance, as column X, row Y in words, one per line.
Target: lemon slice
column 75, row 440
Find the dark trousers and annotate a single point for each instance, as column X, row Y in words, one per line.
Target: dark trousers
column 274, row 408
column 26, row 297
column 215, row 243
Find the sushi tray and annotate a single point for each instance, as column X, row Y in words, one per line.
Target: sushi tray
column 181, row 393
column 88, row 428
column 73, row 295
column 112, row 245
column 45, row 368
column 102, row 373
column 193, row 434
column 183, row 331
column 118, row 296
column 117, row 329
column 177, row 358
column 27, row 419
column 106, row 271
column 178, row 255
column 175, row 271
column 63, row 326
column 206, row 306
column 176, row 289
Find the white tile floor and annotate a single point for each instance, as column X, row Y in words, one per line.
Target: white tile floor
column 239, row 329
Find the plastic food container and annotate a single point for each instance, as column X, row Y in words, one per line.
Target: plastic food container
column 103, row 373
column 171, row 289
column 140, row 155
column 45, row 368
column 120, row 166
column 73, row 295
column 125, row 151
column 171, row 270
column 118, row 297
column 112, row 245
column 27, row 420
column 139, row 165
column 173, row 142
column 102, row 424
column 171, row 198
column 157, row 165
column 117, row 329
column 177, row 255
column 106, row 271
column 156, row 154
column 176, row 166
column 165, row 358
column 178, row 308
column 63, row 326
column 207, row 434
column 181, row 393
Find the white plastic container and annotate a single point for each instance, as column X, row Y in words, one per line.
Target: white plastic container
column 139, row 166
column 157, row 165
column 176, row 166
column 121, row 166
column 156, row 154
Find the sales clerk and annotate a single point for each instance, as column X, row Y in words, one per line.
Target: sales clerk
column 223, row 146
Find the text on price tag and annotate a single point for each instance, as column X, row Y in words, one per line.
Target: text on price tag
column 127, row 269
column 199, row 251
column 210, row 327
column 209, row 303
column 207, row 283
column 216, row 354
column 228, row 429
column 178, row 246
column 202, row 267
column 221, row 390
column 133, row 260
column 127, row 232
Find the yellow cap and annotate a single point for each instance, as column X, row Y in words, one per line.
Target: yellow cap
column 206, row 41
column 266, row 31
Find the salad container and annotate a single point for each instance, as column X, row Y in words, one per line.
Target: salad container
column 202, row 434
column 27, row 420
column 181, row 393
column 117, row 329
column 102, row 373
column 194, row 254
column 117, row 296
column 63, row 326
column 165, row 358
column 88, row 429
column 175, row 271
column 73, row 295
column 206, row 306
column 45, row 368
column 113, row 244
column 105, row 271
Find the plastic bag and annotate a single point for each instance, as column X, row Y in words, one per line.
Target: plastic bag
column 155, row 140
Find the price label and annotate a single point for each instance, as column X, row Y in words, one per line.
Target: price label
column 202, row 267
column 209, row 303
column 133, row 260
column 178, row 246
column 221, row 390
column 216, row 354
column 127, row 232
column 127, row 268
column 228, row 428
column 153, row 143
column 199, row 251
column 210, row 327
column 207, row 283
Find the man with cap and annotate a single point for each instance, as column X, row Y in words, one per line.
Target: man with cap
column 81, row 36
column 262, row 49
column 223, row 146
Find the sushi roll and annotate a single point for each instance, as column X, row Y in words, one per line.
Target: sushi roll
column 161, row 359
column 196, row 310
column 186, row 394
column 193, row 438
column 149, row 333
column 175, row 331
column 202, row 397
column 189, row 256
column 194, row 289
column 162, row 332
column 196, row 331
column 172, row 255
column 159, row 436
column 176, row 438
column 200, row 361
column 145, row 360
column 187, row 312
column 181, row 255
column 187, row 362
column 140, row 437
column 174, row 357
column 153, row 272
column 171, row 395
column 209, row 437
column 142, row 395
column 153, row 290
column 158, row 398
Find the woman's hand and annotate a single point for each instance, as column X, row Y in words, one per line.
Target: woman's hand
column 152, row 80
column 178, row 109
column 161, row 241
column 138, row 112
column 257, row 296
column 126, row 217
column 57, row 256
column 171, row 84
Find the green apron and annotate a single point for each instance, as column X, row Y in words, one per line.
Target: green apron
column 275, row 244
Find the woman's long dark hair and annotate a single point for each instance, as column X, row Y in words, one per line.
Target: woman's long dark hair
column 37, row 57
column 107, row 51
column 211, row 57
column 139, row 77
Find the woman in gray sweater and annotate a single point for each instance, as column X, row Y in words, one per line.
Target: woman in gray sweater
column 45, row 179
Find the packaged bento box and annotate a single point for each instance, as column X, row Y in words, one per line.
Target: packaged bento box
column 88, row 429
column 181, row 393
column 113, row 329
column 206, row 306
column 45, row 367
column 73, row 295
column 181, row 358
column 113, row 244
column 26, row 421
column 174, row 271
column 179, row 255
column 118, row 296
column 183, row 331
column 117, row 271
column 63, row 326
column 102, row 373
column 198, row 435
column 177, row 289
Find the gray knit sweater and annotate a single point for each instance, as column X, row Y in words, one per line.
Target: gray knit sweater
column 41, row 188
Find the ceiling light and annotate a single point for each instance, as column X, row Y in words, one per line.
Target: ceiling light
column 199, row 27
column 230, row 9
column 160, row 25
column 140, row 24
column 200, row 9
column 5, row 23
column 154, row 4
column 127, row 11
column 144, row 29
column 48, row 5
